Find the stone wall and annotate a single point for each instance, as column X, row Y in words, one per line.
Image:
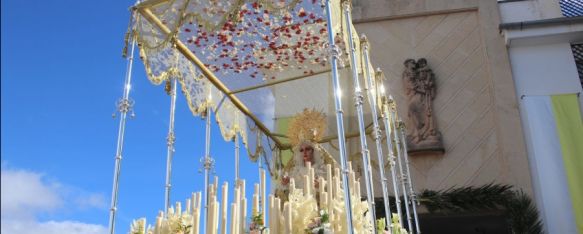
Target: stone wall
column 476, row 108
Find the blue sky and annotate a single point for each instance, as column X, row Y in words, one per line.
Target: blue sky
column 61, row 73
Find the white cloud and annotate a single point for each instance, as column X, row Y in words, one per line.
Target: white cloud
column 26, row 194
column 51, row 227
column 91, row 201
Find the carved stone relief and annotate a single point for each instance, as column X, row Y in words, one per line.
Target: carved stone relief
column 420, row 90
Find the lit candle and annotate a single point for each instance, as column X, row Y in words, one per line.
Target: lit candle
column 216, row 219
column 143, row 224
column 209, row 218
column 309, row 167
column 329, row 176
column 323, row 200
column 198, row 200
column 158, row 227
column 271, row 212
column 276, row 215
column 234, row 228
column 312, row 176
column 287, row 217
column 170, row 211
column 336, row 188
column 255, row 207
column 243, row 218
column 224, row 210
column 357, row 189
column 195, row 221
column 196, row 212
column 194, row 199
column 292, row 185
column 178, row 208
column 237, row 199
column 352, row 181
column 307, row 185
column 216, row 184
column 242, row 186
column 187, row 206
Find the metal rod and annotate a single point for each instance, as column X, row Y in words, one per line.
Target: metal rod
column 124, row 106
column 261, row 185
column 236, row 159
column 399, row 155
column 207, row 163
column 377, row 130
column 182, row 48
column 150, row 3
column 388, row 132
column 327, row 138
column 277, row 82
column 334, row 56
column 409, row 179
column 170, row 140
column 358, row 98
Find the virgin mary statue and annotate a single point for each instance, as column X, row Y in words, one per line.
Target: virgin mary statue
column 304, row 132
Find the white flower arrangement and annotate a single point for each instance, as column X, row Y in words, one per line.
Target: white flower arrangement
column 303, row 207
column 320, row 224
column 257, row 224
column 174, row 223
column 395, row 225
column 138, row 226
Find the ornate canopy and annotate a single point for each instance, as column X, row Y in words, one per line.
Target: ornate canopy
column 255, row 63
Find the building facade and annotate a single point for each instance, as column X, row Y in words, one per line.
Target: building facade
column 488, row 57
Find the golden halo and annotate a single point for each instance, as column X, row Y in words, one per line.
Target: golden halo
column 309, row 125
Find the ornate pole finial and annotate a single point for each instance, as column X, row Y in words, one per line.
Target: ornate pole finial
column 347, row 5
column 364, row 41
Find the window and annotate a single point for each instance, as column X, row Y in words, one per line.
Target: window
column 571, row 8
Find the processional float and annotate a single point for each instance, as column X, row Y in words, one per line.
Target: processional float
column 234, row 59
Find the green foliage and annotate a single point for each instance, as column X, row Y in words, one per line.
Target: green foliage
column 521, row 212
column 324, row 218
column 257, row 219
column 485, row 197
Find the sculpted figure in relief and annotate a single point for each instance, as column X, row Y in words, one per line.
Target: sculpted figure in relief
column 420, row 89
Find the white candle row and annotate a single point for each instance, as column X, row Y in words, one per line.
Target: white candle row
column 278, row 215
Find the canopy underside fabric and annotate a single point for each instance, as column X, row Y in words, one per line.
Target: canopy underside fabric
column 255, row 63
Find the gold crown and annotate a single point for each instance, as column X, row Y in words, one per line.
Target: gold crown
column 309, row 125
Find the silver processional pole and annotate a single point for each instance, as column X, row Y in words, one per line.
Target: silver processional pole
column 377, row 130
column 236, row 159
column 170, row 140
column 358, row 98
column 334, row 57
column 393, row 116
column 207, row 162
column 389, row 133
column 409, row 179
column 124, row 105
